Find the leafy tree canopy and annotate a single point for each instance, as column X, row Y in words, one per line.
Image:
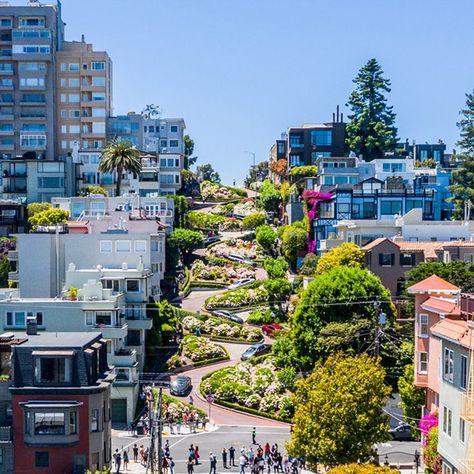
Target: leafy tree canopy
column 50, row 216
column 275, row 267
column 36, row 207
column 362, row 469
column 185, row 241
column 293, row 240
column 189, row 160
column 339, row 411
column 266, row 237
column 346, row 254
column 270, row 197
column 91, row 189
column 206, row 173
column 252, row 221
column 413, row 398
column 259, row 172
column 299, row 172
column 371, row 130
column 310, row 263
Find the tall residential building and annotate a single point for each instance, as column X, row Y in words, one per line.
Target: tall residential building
column 30, row 36
column 83, row 96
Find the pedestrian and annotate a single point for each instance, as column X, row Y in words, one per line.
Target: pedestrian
column 135, row 453
column 224, row 458
column 250, row 455
column 167, row 449
column 280, row 459
column 196, row 455
column 164, row 465
column 261, row 464
column 178, row 425
column 191, row 451
column 266, row 450
column 118, row 461
column 125, row 459
column 231, row 456
column 268, row 464
column 242, row 463
column 212, row 463
column 172, row 465
column 203, row 422
column 254, row 435
column 145, row 457
column 190, row 465
column 286, row 465
column 142, row 455
column 242, row 449
column 191, row 399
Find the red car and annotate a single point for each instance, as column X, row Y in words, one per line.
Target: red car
column 269, row 329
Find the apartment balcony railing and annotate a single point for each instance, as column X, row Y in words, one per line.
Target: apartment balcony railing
column 467, row 406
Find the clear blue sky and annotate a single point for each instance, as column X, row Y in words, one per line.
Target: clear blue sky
column 241, row 71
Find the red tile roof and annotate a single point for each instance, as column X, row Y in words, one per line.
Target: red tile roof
column 441, row 306
column 374, row 243
column 456, row 330
column 433, row 284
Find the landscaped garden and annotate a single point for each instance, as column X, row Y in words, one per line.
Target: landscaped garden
column 240, row 247
column 217, row 192
column 194, row 349
column 220, row 328
column 208, row 221
column 262, row 389
column 245, row 208
column 220, row 271
column 240, row 298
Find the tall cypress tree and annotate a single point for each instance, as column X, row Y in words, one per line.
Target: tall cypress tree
column 371, row 130
column 462, row 188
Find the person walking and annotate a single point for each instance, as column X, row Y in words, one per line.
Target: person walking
column 242, row 463
column 172, row 464
column 190, row 465
column 224, row 458
column 212, row 463
column 125, row 459
column 254, row 435
column 196, row 455
column 118, row 461
column 164, row 465
column 231, row 456
column 142, row 455
column 135, row 453
column 268, row 464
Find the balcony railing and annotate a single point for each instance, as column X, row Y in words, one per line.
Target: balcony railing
column 467, row 406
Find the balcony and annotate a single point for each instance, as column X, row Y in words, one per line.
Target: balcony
column 119, row 331
column 467, row 306
column 467, row 406
column 124, row 358
column 137, row 319
column 13, row 255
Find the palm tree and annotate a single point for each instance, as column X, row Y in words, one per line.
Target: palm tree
column 120, row 156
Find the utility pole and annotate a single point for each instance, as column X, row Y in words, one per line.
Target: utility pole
column 160, row 432
column 377, row 329
column 154, row 415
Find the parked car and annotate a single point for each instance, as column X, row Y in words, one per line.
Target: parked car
column 228, row 315
column 270, row 329
column 210, row 240
column 238, row 258
column 180, row 385
column 402, row 432
column 240, row 283
column 255, row 350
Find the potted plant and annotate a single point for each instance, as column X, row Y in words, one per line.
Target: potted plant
column 72, row 294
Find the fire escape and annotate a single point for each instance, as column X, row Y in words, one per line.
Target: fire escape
column 467, row 398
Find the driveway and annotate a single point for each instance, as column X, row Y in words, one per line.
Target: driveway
column 195, row 300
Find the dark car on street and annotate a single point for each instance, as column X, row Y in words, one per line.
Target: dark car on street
column 230, row 316
column 210, row 240
column 255, row 350
column 402, row 432
column 180, row 385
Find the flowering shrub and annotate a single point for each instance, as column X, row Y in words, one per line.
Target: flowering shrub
column 236, row 247
column 429, row 441
column 199, row 348
column 214, row 327
column 218, row 192
column 238, row 298
column 245, row 208
column 251, row 386
column 225, row 274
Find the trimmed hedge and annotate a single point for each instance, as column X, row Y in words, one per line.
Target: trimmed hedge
column 208, row 284
column 230, row 339
column 211, row 361
column 170, row 399
column 187, row 283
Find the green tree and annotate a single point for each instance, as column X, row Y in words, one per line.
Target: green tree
column 252, row 221
column 310, row 263
column 266, row 237
column 181, row 210
column 458, row 273
column 278, row 290
column 275, row 267
column 96, row 190
column 344, row 295
column 371, row 130
column 189, row 160
column 4, row 269
column 259, row 172
column 293, row 240
column 346, row 254
column 120, row 156
column 185, row 241
column 339, row 411
column 206, row 173
column 413, row 398
column 269, row 196
column 462, row 187
column 36, row 207
column 50, row 216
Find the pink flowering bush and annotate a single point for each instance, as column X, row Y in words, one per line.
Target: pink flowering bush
column 429, row 441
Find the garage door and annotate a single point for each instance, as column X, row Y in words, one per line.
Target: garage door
column 119, row 410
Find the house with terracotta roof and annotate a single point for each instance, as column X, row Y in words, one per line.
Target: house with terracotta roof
column 444, row 341
column 390, row 259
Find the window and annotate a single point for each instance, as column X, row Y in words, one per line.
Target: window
column 447, row 421
column 391, row 207
column 422, row 325
column 41, row 459
column 344, row 208
column 49, row 423
column 321, row 137
column 174, row 129
column 1, row 456
column 6, row 82
column 422, row 362
column 140, row 245
column 447, row 469
column 5, row 22
column 105, row 246
column 33, row 127
column 151, row 128
column 53, row 370
column 89, row 318
column 51, row 182
column 95, row 420
column 23, row 67
column 174, row 143
column 98, row 66
column 469, row 257
column 74, row 98
column 98, row 96
column 463, row 378
column 111, row 285
column 413, row 204
column 6, row 127
column 462, row 430
column 30, row 49
column 28, row 21
column 31, row 81
column 393, row 167
column 123, row 246
column 98, row 112
column 98, row 127
column 74, row 129
column 103, row 318
column 16, row 319
column 164, row 143
column 74, row 82
column 72, row 422
column 386, row 259
column 448, row 365
column 133, row 286
column 98, row 81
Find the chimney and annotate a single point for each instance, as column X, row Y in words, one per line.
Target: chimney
column 31, row 326
column 337, row 113
column 333, row 117
column 342, row 117
column 83, row 39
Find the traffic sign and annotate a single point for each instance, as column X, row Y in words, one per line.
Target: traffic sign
column 210, row 398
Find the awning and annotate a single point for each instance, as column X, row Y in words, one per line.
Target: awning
column 51, row 404
column 53, row 353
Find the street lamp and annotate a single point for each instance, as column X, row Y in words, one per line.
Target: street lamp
column 253, row 154
column 386, row 463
